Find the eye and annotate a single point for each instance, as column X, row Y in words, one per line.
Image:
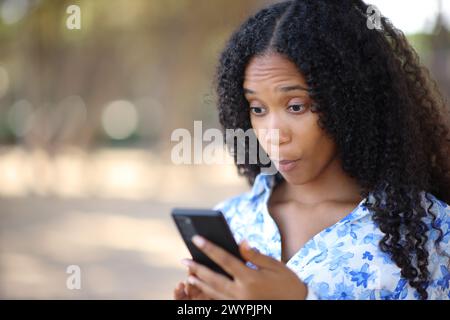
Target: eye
column 297, row 108
column 258, row 111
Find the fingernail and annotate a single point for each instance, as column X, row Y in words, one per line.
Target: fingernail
column 246, row 245
column 191, row 280
column 198, row 241
column 186, row 262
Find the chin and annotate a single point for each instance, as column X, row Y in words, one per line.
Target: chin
column 294, row 178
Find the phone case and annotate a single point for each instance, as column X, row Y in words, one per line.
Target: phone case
column 211, row 225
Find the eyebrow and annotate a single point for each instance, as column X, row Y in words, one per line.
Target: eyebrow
column 282, row 89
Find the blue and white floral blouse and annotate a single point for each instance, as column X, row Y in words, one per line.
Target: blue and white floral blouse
column 344, row 260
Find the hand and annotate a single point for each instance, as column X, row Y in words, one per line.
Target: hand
column 272, row 280
column 187, row 291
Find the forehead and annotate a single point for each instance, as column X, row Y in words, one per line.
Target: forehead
column 271, row 67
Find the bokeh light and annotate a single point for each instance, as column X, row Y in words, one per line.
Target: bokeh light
column 120, row 119
column 12, row 11
column 20, row 117
column 4, row 81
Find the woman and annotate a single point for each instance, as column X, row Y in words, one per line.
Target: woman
column 358, row 208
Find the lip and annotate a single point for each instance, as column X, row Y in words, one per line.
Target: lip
column 287, row 161
column 287, row 165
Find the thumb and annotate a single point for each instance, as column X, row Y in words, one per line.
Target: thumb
column 258, row 259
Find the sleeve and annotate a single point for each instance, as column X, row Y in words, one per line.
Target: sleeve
column 440, row 271
column 311, row 295
column 442, row 213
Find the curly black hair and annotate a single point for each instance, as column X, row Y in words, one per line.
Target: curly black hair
column 380, row 106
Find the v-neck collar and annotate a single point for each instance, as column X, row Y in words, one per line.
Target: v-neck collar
column 265, row 183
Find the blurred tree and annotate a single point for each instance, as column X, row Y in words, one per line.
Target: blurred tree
column 162, row 50
column 160, row 55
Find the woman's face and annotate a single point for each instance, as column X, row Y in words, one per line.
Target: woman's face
column 277, row 97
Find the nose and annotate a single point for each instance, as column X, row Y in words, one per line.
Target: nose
column 278, row 131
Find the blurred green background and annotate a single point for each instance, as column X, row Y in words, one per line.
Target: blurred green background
column 86, row 118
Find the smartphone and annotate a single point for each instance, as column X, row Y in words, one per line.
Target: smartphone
column 211, row 225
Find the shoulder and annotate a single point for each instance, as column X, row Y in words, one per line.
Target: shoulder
column 435, row 204
column 245, row 205
column 236, row 207
column 438, row 223
column 232, row 202
column 438, row 214
column 241, row 214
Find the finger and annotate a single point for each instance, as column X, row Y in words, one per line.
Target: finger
column 188, row 262
column 192, row 290
column 228, row 262
column 179, row 293
column 257, row 258
column 215, row 280
column 195, row 293
column 207, row 289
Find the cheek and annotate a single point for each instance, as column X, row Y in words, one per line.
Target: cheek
column 313, row 141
